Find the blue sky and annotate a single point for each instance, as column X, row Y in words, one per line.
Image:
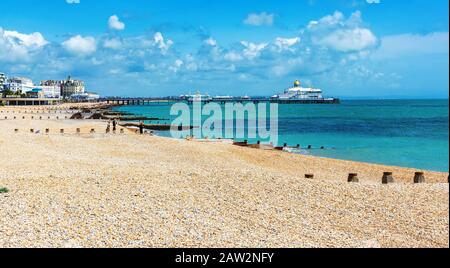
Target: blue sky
column 354, row 48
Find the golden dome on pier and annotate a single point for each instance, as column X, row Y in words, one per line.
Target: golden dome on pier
column 297, row 83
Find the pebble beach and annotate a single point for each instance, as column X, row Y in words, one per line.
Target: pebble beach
column 129, row 190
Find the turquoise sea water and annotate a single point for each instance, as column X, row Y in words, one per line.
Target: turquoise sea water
column 408, row 133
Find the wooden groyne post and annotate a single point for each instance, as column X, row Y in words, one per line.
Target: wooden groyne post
column 419, row 177
column 387, row 178
column 353, row 177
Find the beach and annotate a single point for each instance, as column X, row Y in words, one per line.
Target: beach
column 130, row 190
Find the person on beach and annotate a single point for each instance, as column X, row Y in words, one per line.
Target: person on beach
column 141, row 127
column 108, row 128
column 114, row 125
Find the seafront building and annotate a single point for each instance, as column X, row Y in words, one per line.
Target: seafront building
column 70, row 87
column 35, row 93
column 3, row 79
column 22, row 91
column 53, row 92
column 22, row 86
column 51, row 88
column 19, row 85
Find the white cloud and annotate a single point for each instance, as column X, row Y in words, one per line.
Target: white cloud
column 211, row 42
column 285, row 44
column 260, row 19
column 349, row 39
column 161, row 43
column 177, row 66
column 233, row 56
column 35, row 40
column 373, row 1
column 342, row 35
column 115, row 24
column 179, row 63
column 112, row 43
column 80, row 45
column 16, row 46
column 72, row 1
column 327, row 21
column 252, row 50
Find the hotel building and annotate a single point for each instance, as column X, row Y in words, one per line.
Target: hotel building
column 71, row 87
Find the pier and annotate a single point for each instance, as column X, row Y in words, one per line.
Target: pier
column 172, row 100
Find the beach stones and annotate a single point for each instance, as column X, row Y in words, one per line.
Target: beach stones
column 387, row 178
column 309, row 176
column 419, row 177
column 353, row 177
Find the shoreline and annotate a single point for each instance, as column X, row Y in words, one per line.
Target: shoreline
column 309, row 151
column 130, row 190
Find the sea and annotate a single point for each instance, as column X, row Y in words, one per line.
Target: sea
column 406, row 133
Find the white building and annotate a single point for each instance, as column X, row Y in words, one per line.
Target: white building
column 3, row 80
column 50, row 92
column 19, row 84
column 51, row 88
